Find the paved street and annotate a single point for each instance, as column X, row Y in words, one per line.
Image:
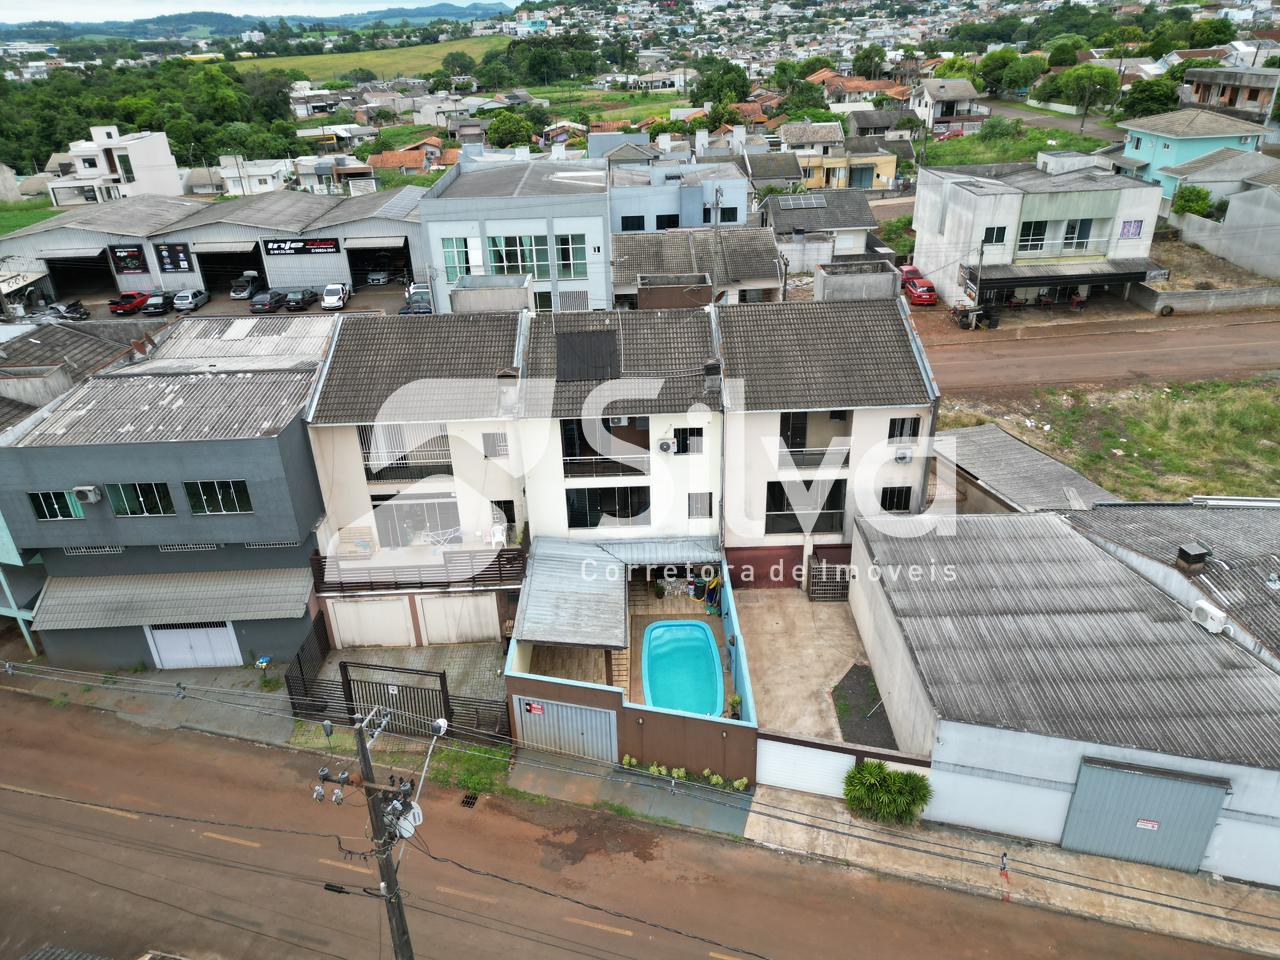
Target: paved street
column 1215, row 349
column 116, row 882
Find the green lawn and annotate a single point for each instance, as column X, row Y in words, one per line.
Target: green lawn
column 408, row 133
column 970, row 149
column 1151, row 442
column 15, row 216
column 569, row 97
column 394, row 62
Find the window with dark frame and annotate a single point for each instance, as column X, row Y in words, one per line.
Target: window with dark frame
column 993, row 236
column 1031, row 235
column 688, row 440
column 666, row 221
column 728, row 214
column 56, row 505
column 785, row 511
column 593, row 507
column 140, row 499
column 631, row 224
column 218, row 496
column 895, row 499
column 699, row 506
column 706, row 214
column 904, row 429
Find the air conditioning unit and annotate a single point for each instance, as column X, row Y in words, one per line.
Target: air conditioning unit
column 87, row 494
column 619, row 421
column 1209, row 616
column 902, row 456
column 666, row 445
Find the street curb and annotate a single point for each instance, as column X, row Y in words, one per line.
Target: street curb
column 1024, row 333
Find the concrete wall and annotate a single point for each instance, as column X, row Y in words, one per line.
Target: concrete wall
column 687, row 202
column 1203, row 301
column 1247, row 236
column 911, row 713
column 878, row 281
column 146, row 560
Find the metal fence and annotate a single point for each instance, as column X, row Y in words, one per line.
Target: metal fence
column 313, row 698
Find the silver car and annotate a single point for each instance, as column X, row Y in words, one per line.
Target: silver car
column 190, row 299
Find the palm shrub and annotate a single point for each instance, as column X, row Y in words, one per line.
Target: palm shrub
column 872, row 790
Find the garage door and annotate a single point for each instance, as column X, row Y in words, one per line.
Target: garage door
column 465, row 619
column 1144, row 814
column 183, row 645
column 567, row 728
column 371, row 623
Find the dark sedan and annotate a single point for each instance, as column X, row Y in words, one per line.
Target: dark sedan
column 268, row 301
column 157, row 305
column 300, row 299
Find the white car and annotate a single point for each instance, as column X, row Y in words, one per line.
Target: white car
column 334, row 296
column 190, row 299
column 413, row 288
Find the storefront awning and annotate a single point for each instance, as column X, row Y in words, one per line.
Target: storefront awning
column 373, row 243
column 68, row 253
column 1013, row 276
column 83, row 603
column 223, row 246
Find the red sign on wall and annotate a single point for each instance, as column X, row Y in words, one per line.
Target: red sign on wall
column 535, row 708
column 1148, row 824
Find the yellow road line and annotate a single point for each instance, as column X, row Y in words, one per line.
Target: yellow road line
column 346, row 866
column 599, row 926
column 114, row 813
column 79, row 803
column 226, row 839
column 470, row 896
column 722, row 956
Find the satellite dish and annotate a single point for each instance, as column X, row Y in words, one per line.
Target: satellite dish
column 409, row 821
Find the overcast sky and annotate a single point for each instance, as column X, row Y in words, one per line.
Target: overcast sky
column 95, row 10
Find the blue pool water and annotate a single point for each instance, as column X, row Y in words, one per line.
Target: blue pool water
column 682, row 668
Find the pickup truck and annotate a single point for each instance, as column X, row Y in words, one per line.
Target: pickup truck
column 128, row 303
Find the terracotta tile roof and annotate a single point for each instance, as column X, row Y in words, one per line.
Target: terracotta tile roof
column 748, row 111
column 395, row 159
column 449, row 156
column 821, row 76
column 773, row 123
column 858, row 84
column 608, row 126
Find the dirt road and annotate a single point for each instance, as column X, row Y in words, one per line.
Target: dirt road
column 114, row 882
column 1212, row 350
column 1031, row 118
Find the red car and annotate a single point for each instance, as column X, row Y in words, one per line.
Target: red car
column 128, row 303
column 949, row 135
column 910, row 272
column 920, row 292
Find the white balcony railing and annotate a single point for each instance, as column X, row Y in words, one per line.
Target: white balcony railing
column 1053, row 249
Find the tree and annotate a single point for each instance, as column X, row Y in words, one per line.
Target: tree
column 1194, row 200
column 1271, row 63
column 999, row 128
column 811, row 65
column 367, row 149
column 873, row 790
column 1147, row 97
column 958, row 67
column 1023, row 72
column 720, row 80
column 1062, row 55
column 509, row 129
column 458, row 64
column 869, row 61
column 359, row 75
column 1211, row 33
column 804, row 96
column 494, row 75
column 1087, row 85
column 1179, row 70
column 992, row 67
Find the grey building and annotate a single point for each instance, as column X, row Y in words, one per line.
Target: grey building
column 174, row 502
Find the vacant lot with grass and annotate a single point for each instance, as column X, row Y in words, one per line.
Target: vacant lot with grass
column 395, row 62
column 568, row 98
column 1025, row 146
column 15, row 216
column 1154, row 442
column 1194, row 268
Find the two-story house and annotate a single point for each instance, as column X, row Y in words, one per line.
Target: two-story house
column 1247, row 93
column 682, row 268
column 547, row 219
column 820, row 149
column 948, row 105
column 174, row 501
column 1171, row 139
column 665, row 195
column 110, row 165
column 1056, row 229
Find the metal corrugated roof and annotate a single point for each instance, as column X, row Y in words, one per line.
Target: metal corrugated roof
column 79, row 603
column 224, row 344
column 1039, row 630
column 1018, row 472
column 175, row 407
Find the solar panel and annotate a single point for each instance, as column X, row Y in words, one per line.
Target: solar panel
column 801, row 201
column 588, row 355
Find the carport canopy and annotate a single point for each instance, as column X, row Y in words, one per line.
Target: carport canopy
column 223, row 246
column 1013, row 276
column 373, row 243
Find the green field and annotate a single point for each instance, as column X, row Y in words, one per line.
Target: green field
column 970, row 149
column 15, row 216
column 1150, row 442
column 568, row 98
column 394, row 62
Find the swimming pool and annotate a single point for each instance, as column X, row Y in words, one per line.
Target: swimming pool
column 682, row 668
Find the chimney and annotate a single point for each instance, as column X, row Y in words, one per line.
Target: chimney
column 700, row 140
column 664, row 142
column 1192, row 557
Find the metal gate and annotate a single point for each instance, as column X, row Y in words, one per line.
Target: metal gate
column 415, row 697
column 1143, row 814
column 567, row 728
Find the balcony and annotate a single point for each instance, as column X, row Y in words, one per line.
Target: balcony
column 809, row 457
column 407, row 470
column 1060, row 249
column 804, row 521
column 606, row 466
column 439, row 569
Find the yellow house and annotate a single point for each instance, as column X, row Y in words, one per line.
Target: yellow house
column 830, row 160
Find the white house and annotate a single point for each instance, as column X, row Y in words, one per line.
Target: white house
column 241, row 177
column 950, row 104
column 110, row 165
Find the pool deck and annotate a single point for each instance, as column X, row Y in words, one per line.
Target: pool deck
column 644, row 609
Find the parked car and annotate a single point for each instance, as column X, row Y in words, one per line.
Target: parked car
column 949, row 135
column 300, row 299
column 158, row 304
column 128, row 303
column 190, row 299
column 246, row 285
column 269, row 301
column 920, row 292
column 74, row 310
column 413, row 288
column 335, row 296
column 379, row 278
column 910, row 272
column 418, row 303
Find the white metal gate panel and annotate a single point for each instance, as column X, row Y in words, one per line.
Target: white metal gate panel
column 180, row 646
column 470, row 618
column 371, row 623
column 567, row 728
column 796, row 767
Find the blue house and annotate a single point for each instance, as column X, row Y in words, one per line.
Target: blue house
column 1154, row 144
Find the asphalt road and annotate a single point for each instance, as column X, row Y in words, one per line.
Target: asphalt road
column 1187, row 353
column 115, row 882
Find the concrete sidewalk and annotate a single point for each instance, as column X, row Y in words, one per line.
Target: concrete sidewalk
column 1186, row 905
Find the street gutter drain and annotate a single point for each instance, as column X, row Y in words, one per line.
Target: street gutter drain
column 469, row 800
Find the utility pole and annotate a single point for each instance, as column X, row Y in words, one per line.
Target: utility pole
column 384, row 812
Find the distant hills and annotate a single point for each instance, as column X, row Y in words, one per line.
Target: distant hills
column 209, row 24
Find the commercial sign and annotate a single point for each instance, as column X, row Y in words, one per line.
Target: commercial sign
column 277, row 248
column 128, row 259
column 174, row 257
column 1148, row 824
column 534, row 708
